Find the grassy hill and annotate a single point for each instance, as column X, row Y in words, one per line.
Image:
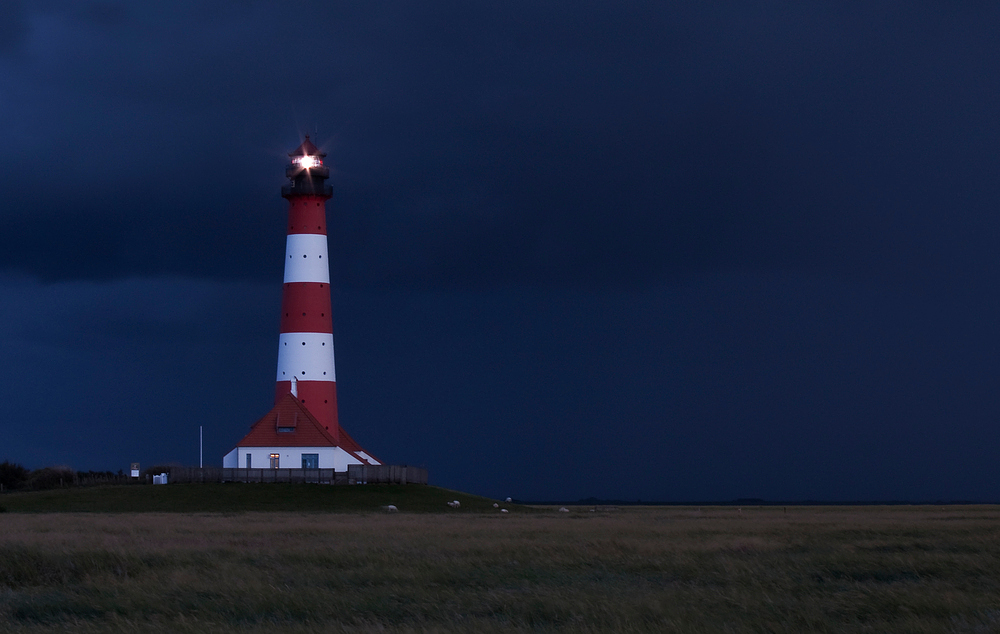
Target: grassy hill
column 237, row 497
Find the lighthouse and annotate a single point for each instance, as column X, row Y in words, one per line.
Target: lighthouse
column 302, row 430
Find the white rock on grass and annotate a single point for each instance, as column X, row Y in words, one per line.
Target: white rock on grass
column 508, row 500
column 503, row 510
column 564, row 510
column 454, row 504
column 390, row 508
column 495, row 505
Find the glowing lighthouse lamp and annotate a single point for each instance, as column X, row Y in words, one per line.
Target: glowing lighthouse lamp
column 302, row 429
column 307, row 161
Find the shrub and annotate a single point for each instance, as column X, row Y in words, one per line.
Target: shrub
column 50, row 478
column 12, row 475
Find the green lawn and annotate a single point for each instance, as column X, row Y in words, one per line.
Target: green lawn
column 237, row 497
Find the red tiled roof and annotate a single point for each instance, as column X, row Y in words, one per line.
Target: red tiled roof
column 289, row 412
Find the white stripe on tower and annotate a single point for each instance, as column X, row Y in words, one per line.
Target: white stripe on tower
column 307, row 356
column 306, row 258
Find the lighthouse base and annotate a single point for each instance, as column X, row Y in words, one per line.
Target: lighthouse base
column 290, row 437
column 334, row 458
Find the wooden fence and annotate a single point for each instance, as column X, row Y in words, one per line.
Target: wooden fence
column 385, row 474
column 355, row 474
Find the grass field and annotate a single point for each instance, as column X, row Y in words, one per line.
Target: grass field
column 816, row 569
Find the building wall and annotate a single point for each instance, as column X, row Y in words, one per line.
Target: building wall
column 290, row 457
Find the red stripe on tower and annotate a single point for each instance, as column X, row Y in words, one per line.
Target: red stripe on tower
column 305, row 344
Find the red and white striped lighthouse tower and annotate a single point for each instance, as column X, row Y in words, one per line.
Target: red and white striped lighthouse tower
column 305, row 345
column 303, row 423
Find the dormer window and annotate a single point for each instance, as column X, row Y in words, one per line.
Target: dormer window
column 286, row 426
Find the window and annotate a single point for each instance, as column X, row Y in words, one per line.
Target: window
column 248, row 461
column 285, row 430
column 310, row 461
column 274, row 460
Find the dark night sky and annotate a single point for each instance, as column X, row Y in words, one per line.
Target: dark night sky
column 658, row 250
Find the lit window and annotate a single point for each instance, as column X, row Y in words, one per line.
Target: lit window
column 274, row 460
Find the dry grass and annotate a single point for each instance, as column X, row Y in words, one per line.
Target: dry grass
column 833, row 569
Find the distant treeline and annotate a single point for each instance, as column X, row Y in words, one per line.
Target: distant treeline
column 15, row 477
